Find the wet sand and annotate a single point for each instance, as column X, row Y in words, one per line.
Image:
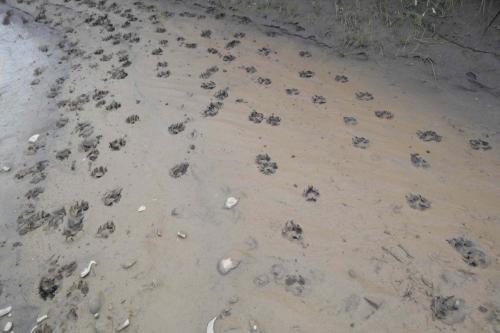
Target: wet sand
column 365, row 256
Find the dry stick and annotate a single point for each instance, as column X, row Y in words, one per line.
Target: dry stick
column 473, row 49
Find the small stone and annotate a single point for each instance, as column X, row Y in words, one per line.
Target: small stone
column 226, row 265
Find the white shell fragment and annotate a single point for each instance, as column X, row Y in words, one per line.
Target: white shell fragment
column 5, row 168
column 231, row 202
column 87, row 270
column 5, row 311
column 7, row 327
column 123, row 326
column 141, row 208
column 210, row 326
column 226, row 265
column 41, row 318
column 33, row 138
column 181, row 234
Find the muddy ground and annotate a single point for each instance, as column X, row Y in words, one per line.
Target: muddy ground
column 367, row 190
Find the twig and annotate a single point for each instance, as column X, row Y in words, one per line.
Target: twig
column 473, row 49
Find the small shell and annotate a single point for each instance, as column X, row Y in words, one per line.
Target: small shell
column 226, row 265
column 33, row 138
column 123, row 326
column 210, row 326
column 141, row 208
column 41, row 318
column 181, row 234
column 5, row 311
column 231, row 202
column 87, row 270
column 7, row 327
column 5, row 168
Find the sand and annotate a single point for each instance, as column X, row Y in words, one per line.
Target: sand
column 359, row 255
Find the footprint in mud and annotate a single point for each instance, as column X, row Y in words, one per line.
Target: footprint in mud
column 163, row 74
column 450, row 310
column 418, row 161
column 176, row 128
column 212, row 109
column 239, row 35
column 306, row 74
column 311, row 194
column 384, row 114
column 208, row 85
column 33, row 148
column 478, row 144
column 89, row 143
column 261, row 280
column 132, row 119
column 84, row 129
column 264, row 51
column 161, row 64
column 416, row 201
column 157, row 51
column 360, row 142
column 364, row 96
column 318, row 99
column 273, row 120
column 206, row 33
column 190, row 45
column 30, row 219
column 228, row 58
column 34, row 193
column 98, row 172
column 293, row 232
column 211, row 50
column 469, row 252
column 341, row 78
column 232, row 44
column 264, row 81
column 305, row 54
column 63, row 154
column 179, row 170
column 36, row 172
column 250, row 69
column 265, row 164
column 209, row 72
column 222, row 94
column 295, row 284
column 117, row 73
column 350, row 121
column 161, row 30
column 105, row 230
column 292, row 91
column 92, row 155
column 256, row 117
column 74, row 223
column 112, row 197
column 117, row 144
column 99, row 94
column 50, row 284
column 429, row 136
column 114, row 105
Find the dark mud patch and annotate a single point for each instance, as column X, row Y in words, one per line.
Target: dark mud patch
column 112, row 197
column 418, row 161
column 428, row 136
column 450, row 310
column 478, row 144
column 469, row 252
column 418, row 202
column 311, row 194
column 74, row 223
column 265, row 164
column 179, row 170
column 360, row 142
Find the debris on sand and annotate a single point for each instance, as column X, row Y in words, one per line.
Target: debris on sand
column 87, row 269
column 384, row 114
column 416, row 201
column 210, row 326
column 226, row 265
column 364, row 96
column 341, row 78
column 265, row 164
column 44, row 328
column 105, row 230
column 360, row 142
column 112, row 197
column 5, row 311
column 350, row 121
column 181, row 235
column 4, row 169
column 470, row 253
column 418, row 161
column 123, row 326
column 311, row 193
column 179, row 170
column 33, row 138
column 450, row 310
column 429, row 136
column 254, row 326
column 8, row 326
column 478, row 144
column 41, row 318
column 231, row 202
column 141, row 208
column 292, row 231
column 256, row 117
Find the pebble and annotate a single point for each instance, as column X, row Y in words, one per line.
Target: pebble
column 226, row 265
